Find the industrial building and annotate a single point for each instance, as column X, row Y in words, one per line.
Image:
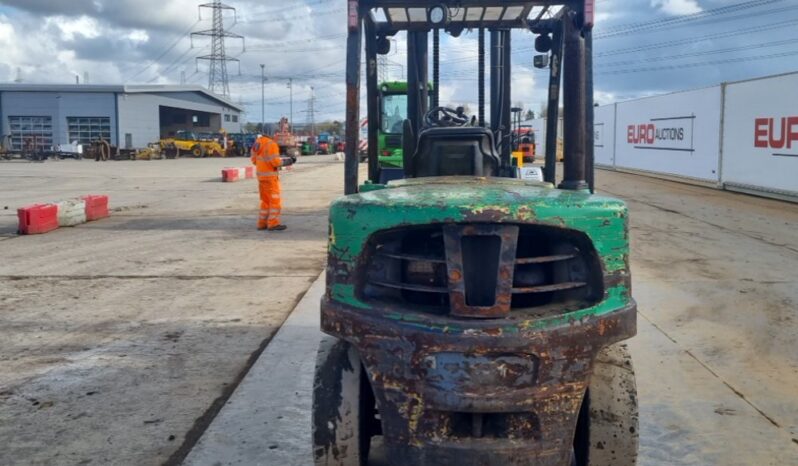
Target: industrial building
column 129, row 116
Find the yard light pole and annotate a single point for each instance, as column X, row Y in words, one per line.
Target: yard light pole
column 262, row 98
column 291, row 104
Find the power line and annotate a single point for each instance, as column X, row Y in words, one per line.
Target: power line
column 693, row 40
column 270, row 14
column 699, row 54
column 664, row 44
column 666, row 22
column 699, row 64
column 168, row 49
column 745, row 16
column 180, row 60
column 298, row 16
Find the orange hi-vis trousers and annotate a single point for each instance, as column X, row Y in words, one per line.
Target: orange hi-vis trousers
column 266, row 158
column 270, row 202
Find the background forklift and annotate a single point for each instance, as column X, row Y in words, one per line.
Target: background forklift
column 523, row 137
column 393, row 111
column 474, row 318
column 393, row 107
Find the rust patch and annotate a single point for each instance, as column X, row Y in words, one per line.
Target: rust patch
column 509, row 398
column 463, row 261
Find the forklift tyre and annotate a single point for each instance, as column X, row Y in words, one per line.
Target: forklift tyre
column 342, row 406
column 197, row 151
column 607, row 433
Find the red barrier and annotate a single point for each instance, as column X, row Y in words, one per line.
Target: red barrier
column 37, row 218
column 96, row 207
column 229, row 174
column 250, row 172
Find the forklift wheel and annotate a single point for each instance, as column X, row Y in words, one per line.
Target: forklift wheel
column 197, row 151
column 343, row 406
column 607, row 431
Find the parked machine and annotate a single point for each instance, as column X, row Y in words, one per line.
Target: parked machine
column 284, row 138
column 187, row 142
column 240, row 144
column 523, row 145
column 325, row 143
column 392, row 104
column 474, row 318
column 308, row 146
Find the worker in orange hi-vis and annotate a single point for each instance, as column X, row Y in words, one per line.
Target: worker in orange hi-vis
column 267, row 161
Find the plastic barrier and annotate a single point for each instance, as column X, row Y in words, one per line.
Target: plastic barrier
column 229, row 175
column 37, row 218
column 235, row 174
column 41, row 218
column 96, row 207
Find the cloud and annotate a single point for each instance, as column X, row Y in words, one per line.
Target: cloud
column 141, row 41
column 677, row 7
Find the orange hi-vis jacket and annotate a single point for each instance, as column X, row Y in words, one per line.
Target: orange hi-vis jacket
column 266, row 157
column 267, row 161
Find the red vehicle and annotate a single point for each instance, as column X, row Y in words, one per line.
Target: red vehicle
column 286, row 139
column 524, row 142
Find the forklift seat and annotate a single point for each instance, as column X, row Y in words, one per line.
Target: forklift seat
column 455, row 151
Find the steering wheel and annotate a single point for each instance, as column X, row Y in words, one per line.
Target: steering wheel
column 445, row 116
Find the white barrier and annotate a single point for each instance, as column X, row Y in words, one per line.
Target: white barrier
column 539, row 128
column 679, row 135
column 760, row 135
column 71, row 212
column 604, row 135
column 675, row 134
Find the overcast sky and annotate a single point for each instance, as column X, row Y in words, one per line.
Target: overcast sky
column 643, row 47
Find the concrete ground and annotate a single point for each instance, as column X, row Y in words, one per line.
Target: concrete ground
column 121, row 338
column 714, row 274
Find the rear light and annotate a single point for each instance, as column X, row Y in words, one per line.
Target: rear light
column 590, row 11
column 353, row 16
column 386, row 153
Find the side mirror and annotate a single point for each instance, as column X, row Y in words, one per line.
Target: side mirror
column 541, row 61
column 383, row 45
column 543, row 43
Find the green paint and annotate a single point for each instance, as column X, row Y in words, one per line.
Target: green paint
column 369, row 186
column 456, row 199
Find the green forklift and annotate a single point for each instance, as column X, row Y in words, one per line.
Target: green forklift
column 393, row 112
column 472, row 317
column 392, row 97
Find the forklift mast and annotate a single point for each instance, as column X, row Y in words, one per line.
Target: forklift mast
column 568, row 35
